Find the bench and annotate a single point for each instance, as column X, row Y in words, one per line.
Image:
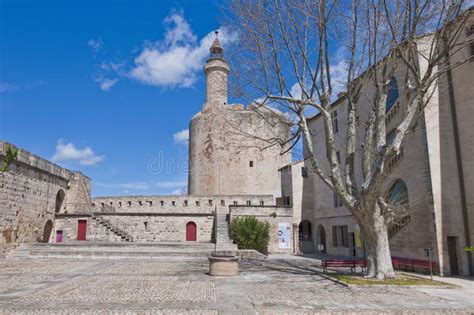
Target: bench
column 408, row 263
column 336, row 263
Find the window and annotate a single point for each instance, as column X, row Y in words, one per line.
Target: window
column 392, row 94
column 338, row 157
column 140, row 203
column 249, row 202
column 398, row 194
column 304, row 172
column 251, row 163
column 337, row 201
column 287, row 201
column 111, row 203
column 102, row 204
column 185, row 203
column 335, row 124
column 129, row 203
column 145, row 224
column 120, row 203
column 150, row 203
column 340, row 236
column 222, row 202
column 235, row 203
column 173, row 203
column 198, row 203
column 262, row 203
column 210, row 202
column 162, row 203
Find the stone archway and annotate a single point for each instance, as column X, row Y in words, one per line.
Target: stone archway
column 59, row 201
column 48, row 228
column 306, row 237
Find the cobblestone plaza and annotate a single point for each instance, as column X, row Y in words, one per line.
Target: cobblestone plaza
column 180, row 286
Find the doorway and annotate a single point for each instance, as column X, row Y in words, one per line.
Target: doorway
column 191, row 232
column 81, row 230
column 322, row 239
column 48, row 227
column 59, row 236
column 453, row 255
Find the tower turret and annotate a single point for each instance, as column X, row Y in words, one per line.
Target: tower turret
column 216, row 70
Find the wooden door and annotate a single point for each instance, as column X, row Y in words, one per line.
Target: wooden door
column 81, row 230
column 191, row 231
column 453, row 255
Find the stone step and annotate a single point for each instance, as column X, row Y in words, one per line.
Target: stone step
column 113, row 250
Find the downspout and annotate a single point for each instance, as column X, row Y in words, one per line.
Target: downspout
column 460, row 169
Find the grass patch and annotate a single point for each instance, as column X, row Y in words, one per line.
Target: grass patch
column 401, row 279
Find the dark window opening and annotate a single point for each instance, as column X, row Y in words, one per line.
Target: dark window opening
column 335, row 124
column 162, row 203
column 262, row 203
column 249, row 202
column 173, row 203
column 185, row 203
column 392, row 94
column 337, row 201
column 340, row 236
column 251, row 163
column 222, row 202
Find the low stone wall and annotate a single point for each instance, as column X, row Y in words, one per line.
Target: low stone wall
column 143, row 227
column 179, row 204
column 278, row 217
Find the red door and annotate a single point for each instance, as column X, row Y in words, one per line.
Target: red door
column 59, row 236
column 191, row 231
column 81, row 230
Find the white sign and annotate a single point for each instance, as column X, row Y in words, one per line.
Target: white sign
column 284, row 236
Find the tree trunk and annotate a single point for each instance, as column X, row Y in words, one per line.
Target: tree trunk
column 379, row 261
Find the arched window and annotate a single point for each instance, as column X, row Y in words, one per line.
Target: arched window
column 392, row 95
column 398, row 194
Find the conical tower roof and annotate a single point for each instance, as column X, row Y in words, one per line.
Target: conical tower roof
column 216, row 48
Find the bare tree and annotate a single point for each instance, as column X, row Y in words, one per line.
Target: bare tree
column 286, row 60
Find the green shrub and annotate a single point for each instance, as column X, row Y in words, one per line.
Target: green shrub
column 249, row 233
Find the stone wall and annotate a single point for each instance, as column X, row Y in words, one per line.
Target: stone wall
column 274, row 215
column 228, row 156
column 151, row 227
column 32, row 191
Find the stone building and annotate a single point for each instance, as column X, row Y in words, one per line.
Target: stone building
column 433, row 175
column 32, row 191
column 230, row 175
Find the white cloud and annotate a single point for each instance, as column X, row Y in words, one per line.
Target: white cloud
column 175, row 60
column 7, row 87
column 180, row 192
column 106, row 84
column 67, row 151
column 181, row 137
column 339, row 77
column 95, row 44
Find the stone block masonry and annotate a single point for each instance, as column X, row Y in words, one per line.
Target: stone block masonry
column 32, row 191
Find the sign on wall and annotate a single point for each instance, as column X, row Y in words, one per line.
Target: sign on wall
column 284, row 236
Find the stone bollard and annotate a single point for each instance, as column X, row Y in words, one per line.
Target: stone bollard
column 223, row 264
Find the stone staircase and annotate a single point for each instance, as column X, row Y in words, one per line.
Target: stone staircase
column 223, row 240
column 112, row 250
column 114, row 225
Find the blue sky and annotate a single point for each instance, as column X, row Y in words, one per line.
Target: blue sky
column 106, row 87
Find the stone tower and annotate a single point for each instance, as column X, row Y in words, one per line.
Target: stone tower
column 223, row 158
column 216, row 70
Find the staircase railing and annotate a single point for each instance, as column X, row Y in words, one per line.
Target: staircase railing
column 106, row 217
column 396, row 226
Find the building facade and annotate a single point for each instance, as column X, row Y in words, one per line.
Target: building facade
column 433, row 175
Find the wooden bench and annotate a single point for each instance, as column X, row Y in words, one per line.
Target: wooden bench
column 362, row 263
column 408, row 263
column 337, row 263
